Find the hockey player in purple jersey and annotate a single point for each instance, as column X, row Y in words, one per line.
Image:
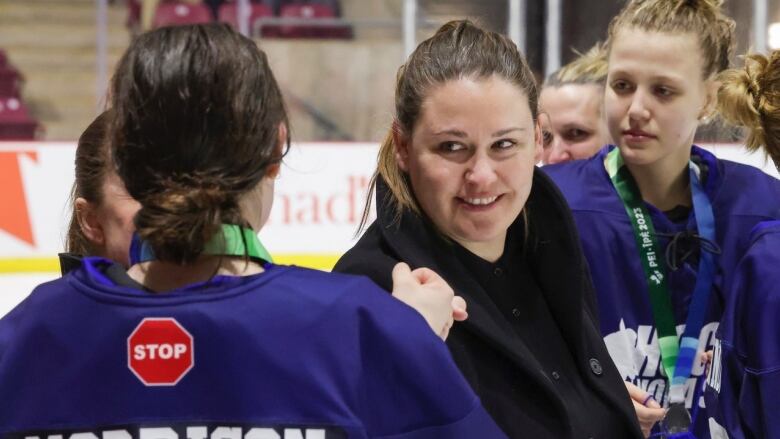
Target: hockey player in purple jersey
column 661, row 221
column 744, row 379
column 203, row 336
column 102, row 223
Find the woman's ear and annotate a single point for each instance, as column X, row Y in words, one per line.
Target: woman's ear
column 538, row 139
column 710, row 100
column 401, row 147
column 282, row 136
column 87, row 216
column 273, row 171
column 281, row 143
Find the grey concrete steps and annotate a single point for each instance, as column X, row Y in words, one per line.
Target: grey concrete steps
column 349, row 82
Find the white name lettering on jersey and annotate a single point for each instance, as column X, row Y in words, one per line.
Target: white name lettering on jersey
column 211, row 431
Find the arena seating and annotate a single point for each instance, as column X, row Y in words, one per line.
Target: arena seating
column 311, row 11
column 228, row 13
column 334, row 5
column 15, row 121
column 10, row 80
column 133, row 14
column 175, row 13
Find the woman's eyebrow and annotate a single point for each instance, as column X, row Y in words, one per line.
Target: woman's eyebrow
column 451, row 132
column 507, row 131
column 461, row 134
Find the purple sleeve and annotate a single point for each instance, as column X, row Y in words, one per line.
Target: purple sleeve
column 407, row 371
column 758, row 400
column 744, row 382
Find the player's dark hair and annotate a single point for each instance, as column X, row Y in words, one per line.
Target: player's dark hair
column 196, row 124
column 91, row 170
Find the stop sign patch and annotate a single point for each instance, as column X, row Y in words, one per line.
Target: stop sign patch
column 160, row 351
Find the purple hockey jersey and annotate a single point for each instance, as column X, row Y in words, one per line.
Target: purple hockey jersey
column 741, row 197
column 289, row 353
column 744, row 382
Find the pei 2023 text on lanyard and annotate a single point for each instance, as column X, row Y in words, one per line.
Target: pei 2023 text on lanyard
column 677, row 359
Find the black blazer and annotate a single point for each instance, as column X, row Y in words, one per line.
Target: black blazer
column 493, row 358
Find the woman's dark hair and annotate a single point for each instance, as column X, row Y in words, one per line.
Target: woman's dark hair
column 196, row 123
column 91, row 169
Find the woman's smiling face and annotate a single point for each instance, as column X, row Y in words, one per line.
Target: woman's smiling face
column 470, row 158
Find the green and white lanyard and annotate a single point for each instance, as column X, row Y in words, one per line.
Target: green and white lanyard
column 677, row 359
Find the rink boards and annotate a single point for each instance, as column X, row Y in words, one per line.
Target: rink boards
column 318, row 204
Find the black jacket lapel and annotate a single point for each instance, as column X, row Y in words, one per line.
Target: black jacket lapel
column 412, row 233
column 572, row 313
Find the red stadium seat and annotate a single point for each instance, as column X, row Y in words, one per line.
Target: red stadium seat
column 176, row 13
column 133, row 13
column 15, row 120
column 311, row 11
column 228, row 13
column 10, row 80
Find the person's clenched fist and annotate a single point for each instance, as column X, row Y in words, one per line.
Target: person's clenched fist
column 430, row 295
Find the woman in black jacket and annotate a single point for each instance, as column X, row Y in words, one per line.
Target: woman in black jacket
column 457, row 191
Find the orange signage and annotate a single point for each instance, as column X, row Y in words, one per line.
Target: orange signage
column 14, row 216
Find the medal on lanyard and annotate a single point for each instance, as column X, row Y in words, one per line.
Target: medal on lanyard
column 233, row 241
column 677, row 359
column 677, row 421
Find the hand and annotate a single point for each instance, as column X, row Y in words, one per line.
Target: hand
column 706, row 358
column 648, row 411
column 430, row 295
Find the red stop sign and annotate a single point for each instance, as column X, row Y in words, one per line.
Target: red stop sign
column 160, row 351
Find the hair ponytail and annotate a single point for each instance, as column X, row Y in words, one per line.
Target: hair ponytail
column 197, row 115
column 182, row 218
column 750, row 97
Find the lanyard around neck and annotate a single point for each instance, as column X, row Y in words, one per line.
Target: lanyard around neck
column 232, row 241
column 677, row 359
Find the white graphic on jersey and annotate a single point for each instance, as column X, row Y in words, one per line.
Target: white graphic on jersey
column 713, row 378
column 197, row 433
column 717, row 431
column 657, row 277
column 637, row 355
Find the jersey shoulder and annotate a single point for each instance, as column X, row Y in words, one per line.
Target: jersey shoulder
column 586, row 185
column 747, row 190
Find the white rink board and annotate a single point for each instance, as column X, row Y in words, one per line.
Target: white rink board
column 317, row 204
